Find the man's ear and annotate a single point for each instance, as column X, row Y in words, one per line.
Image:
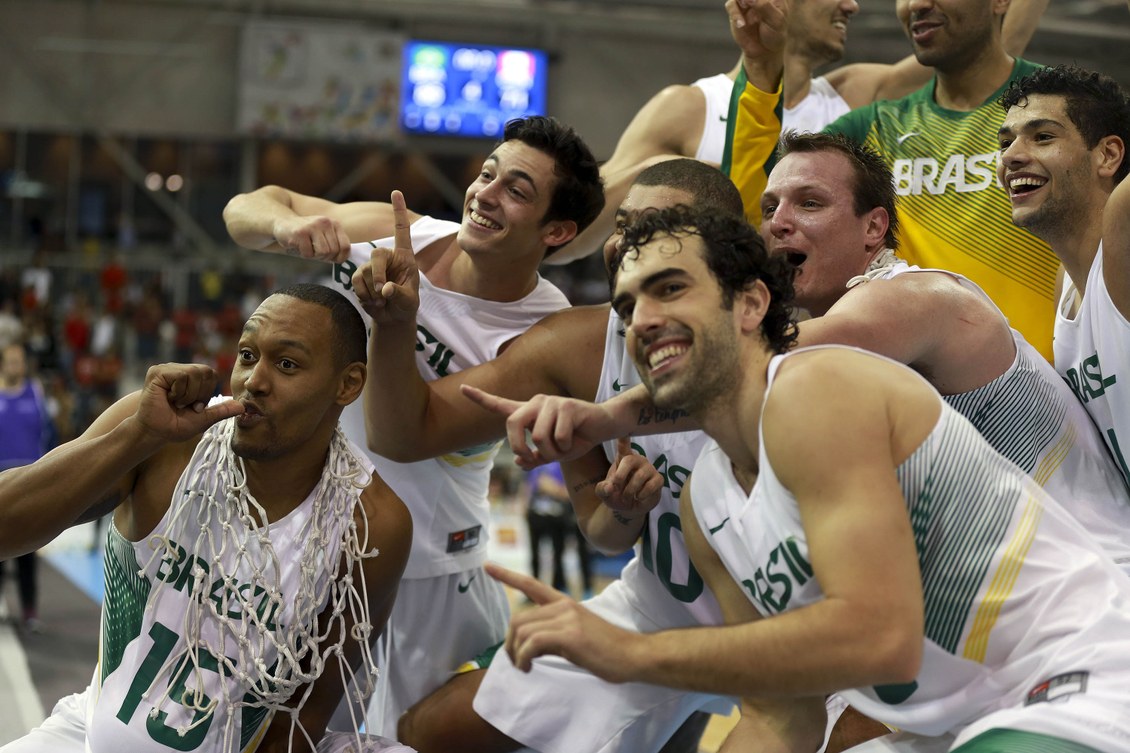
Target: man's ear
column 1109, row 153
column 557, row 233
column 351, row 383
column 750, row 306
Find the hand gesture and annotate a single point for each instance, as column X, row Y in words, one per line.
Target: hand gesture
column 632, row 485
column 173, row 404
column 313, row 237
column 388, row 285
column 547, row 428
column 758, row 26
column 559, row 625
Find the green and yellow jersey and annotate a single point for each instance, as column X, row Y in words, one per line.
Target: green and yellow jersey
column 755, row 123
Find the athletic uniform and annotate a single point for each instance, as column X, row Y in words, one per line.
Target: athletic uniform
column 755, row 123
column 1029, row 415
column 953, row 213
column 447, row 608
column 716, row 90
column 1097, row 329
column 820, row 106
column 164, row 657
column 1027, row 623
column 558, row 708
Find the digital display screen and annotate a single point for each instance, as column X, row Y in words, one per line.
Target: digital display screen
column 451, row 89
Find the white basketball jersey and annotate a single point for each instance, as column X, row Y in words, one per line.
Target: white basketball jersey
column 716, row 90
column 660, row 581
column 820, row 106
column 447, row 496
column 1029, row 415
column 1018, row 598
column 143, row 675
column 1098, row 331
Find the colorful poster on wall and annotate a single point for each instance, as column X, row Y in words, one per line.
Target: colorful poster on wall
column 319, row 81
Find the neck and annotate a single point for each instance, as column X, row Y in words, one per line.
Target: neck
column 734, row 419
column 966, row 88
column 1077, row 248
column 797, row 77
column 500, row 278
column 282, row 484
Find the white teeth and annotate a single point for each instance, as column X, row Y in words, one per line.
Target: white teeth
column 478, row 219
column 659, row 356
column 1016, row 183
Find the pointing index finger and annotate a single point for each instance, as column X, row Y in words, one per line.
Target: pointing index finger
column 402, row 235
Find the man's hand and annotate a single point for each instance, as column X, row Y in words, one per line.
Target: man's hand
column 173, row 403
column 559, row 625
column 388, row 285
column 559, row 428
column 633, row 485
column 759, row 28
column 314, row 237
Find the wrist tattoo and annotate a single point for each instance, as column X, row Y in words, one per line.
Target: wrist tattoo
column 591, row 482
column 624, row 520
column 659, row 415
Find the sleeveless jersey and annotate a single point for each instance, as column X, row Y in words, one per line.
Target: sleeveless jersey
column 1018, row 598
column 953, row 212
column 716, row 90
column 660, row 581
column 1098, row 330
column 1029, row 415
column 820, row 106
column 147, row 606
column 447, row 496
column 754, row 122
column 24, row 418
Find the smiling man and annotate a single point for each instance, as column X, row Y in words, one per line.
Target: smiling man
column 1063, row 160
column 233, row 521
column 860, row 535
column 481, row 289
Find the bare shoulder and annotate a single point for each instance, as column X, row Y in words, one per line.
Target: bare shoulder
column 388, row 524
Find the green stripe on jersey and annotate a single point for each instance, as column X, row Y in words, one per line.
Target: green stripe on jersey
column 126, row 595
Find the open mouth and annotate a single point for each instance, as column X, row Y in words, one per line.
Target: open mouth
column 483, row 222
column 251, row 415
column 1026, row 184
column 661, row 358
column 923, row 31
column 796, row 259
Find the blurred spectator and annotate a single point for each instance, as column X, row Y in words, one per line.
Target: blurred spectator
column 112, row 282
column 27, row 435
column 549, row 515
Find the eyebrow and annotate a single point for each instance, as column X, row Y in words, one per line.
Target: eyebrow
column 249, row 329
column 516, row 173
column 1034, row 124
column 651, row 280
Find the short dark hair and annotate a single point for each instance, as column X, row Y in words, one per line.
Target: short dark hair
column 874, row 182
column 350, row 341
column 579, row 193
column 735, row 254
column 1096, row 104
column 707, row 185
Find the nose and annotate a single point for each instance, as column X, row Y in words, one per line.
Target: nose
column 1013, row 155
column 647, row 316
column 258, row 381
column 487, row 193
column 780, row 224
column 849, row 7
column 917, row 7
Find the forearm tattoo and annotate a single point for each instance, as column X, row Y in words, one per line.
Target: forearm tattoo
column 659, row 415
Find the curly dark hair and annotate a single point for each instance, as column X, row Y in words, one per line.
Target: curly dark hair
column 735, row 254
column 1096, row 104
column 874, row 183
column 579, row 194
column 350, row 340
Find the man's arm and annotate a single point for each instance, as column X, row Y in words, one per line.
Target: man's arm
column 1116, row 245
column 278, row 220
column 611, row 501
column 386, row 526
column 559, row 355
column 95, row 472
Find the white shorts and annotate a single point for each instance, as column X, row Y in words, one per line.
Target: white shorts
column 346, row 742
column 64, row 731
column 435, row 625
column 559, row 708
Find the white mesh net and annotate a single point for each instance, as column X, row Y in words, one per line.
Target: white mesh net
column 268, row 647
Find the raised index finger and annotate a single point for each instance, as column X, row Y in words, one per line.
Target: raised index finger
column 402, row 233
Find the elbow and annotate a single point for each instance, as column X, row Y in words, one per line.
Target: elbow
column 392, row 449
column 898, row 657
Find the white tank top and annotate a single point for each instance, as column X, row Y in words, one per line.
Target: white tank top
column 820, row 106
column 447, row 496
column 1016, row 593
column 716, row 90
column 146, row 608
column 1029, row 415
column 660, row 581
column 1090, row 350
